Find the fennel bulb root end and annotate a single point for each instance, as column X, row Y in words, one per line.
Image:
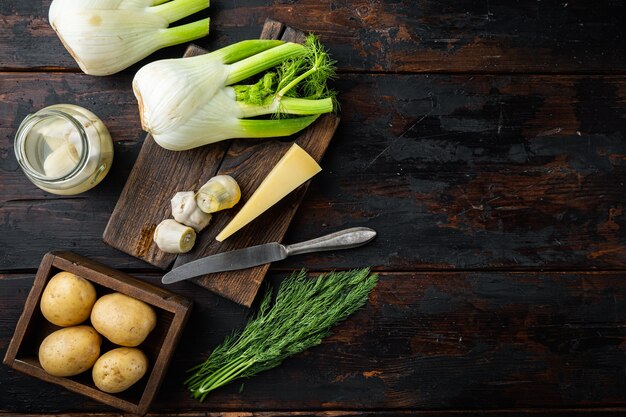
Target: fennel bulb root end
column 144, row 122
column 107, row 36
column 190, row 102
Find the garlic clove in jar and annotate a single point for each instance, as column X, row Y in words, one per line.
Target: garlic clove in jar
column 61, row 161
column 56, row 133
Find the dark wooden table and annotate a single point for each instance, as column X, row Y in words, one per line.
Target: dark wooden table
column 484, row 141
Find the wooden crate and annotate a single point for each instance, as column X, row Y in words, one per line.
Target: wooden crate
column 172, row 313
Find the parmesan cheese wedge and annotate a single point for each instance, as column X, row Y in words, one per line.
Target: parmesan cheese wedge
column 294, row 169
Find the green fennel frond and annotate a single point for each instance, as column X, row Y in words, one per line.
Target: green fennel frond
column 305, row 77
column 259, row 93
column 301, row 316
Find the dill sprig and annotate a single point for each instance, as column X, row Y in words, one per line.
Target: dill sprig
column 301, row 316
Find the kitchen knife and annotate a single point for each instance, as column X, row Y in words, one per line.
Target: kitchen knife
column 269, row 252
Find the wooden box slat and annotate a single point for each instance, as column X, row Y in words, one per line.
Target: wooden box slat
column 172, row 314
column 158, row 174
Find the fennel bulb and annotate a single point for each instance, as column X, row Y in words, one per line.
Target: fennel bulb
column 189, row 102
column 107, row 36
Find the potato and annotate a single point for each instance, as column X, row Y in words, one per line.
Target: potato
column 67, row 299
column 70, row 351
column 123, row 320
column 118, row 369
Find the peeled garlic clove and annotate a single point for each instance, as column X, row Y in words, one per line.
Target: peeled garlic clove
column 172, row 237
column 219, row 193
column 61, row 161
column 54, row 142
column 55, row 134
column 186, row 211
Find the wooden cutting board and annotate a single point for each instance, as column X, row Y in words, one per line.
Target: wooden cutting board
column 158, row 174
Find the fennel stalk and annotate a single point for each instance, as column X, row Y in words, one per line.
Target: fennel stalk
column 107, row 36
column 189, row 102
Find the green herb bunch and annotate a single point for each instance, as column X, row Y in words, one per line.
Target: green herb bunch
column 304, row 311
column 304, row 77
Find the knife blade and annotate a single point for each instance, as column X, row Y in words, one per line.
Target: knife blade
column 268, row 252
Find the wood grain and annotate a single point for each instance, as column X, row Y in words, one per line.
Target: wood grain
column 475, row 137
column 549, row 412
column 145, row 200
column 250, row 164
column 517, row 171
column 425, row 341
column 158, row 174
column 172, row 312
column 387, row 36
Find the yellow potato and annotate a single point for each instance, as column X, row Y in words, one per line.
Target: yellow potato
column 67, row 299
column 70, row 351
column 122, row 319
column 118, row 369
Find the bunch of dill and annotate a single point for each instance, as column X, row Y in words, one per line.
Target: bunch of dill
column 304, row 311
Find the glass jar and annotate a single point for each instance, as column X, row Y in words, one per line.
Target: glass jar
column 64, row 149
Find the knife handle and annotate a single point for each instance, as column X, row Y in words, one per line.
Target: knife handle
column 344, row 239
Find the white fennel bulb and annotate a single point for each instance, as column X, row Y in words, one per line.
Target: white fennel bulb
column 189, row 102
column 107, row 36
column 161, row 110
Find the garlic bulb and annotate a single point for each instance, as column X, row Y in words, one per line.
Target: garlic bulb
column 219, row 193
column 172, row 237
column 186, row 211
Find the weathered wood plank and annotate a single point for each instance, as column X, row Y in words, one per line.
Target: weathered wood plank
column 144, row 203
column 145, row 199
column 171, row 313
column 425, row 341
column 452, row 171
column 475, row 172
column 406, row 36
column 42, row 221
column 250, row 164
column 586, row 412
